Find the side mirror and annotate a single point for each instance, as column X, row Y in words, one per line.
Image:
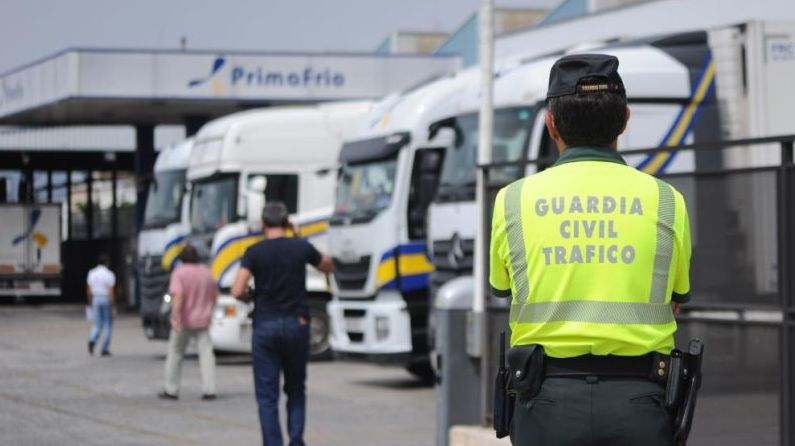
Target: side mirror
column 255, row 200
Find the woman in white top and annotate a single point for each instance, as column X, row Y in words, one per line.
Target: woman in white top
column 101, row 296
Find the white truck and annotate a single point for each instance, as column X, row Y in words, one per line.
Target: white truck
column 162, row 235
column 30, row 250
column 731, row 82
column 292, row 152
column 388, row 175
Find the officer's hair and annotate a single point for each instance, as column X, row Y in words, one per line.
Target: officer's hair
column 189, row 254
column 274, row 215
column 589, row 119
column 103, row 259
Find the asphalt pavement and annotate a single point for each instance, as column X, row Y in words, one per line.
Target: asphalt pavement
column 53, row 393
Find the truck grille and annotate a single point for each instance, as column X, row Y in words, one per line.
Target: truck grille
column 154, row 282
column 351, row 275
column 451, row 261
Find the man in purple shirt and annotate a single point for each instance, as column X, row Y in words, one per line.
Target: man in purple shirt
column 193, row 293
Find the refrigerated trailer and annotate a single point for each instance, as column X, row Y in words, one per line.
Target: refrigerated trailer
column 30, row 250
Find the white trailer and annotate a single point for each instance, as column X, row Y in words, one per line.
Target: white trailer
column 295, row 150
column 162, row 235
column 30, row 250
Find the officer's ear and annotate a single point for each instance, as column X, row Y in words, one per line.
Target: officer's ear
column 549, row 120
column 626, row 121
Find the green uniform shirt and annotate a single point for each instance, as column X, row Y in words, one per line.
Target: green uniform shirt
column 591, row 251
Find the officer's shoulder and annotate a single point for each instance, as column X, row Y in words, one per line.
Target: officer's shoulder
column 656, row 182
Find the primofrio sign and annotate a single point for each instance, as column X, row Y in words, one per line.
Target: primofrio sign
column 169, row 76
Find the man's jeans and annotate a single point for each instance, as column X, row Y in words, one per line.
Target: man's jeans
column 280, row 344
column 177, row 344
column 103, row 321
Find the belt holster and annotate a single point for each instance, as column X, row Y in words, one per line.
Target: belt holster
column 683, row 387
column 504, row 398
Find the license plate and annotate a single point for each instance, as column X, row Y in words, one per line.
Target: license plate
column 245, row 333
column 356, row 325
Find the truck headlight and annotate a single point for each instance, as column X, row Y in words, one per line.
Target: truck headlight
column 223, row 311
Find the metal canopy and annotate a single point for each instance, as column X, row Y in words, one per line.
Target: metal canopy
column 91, row 86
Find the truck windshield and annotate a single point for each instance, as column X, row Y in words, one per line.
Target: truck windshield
column 165, row 199
column 512, row 127
column 365, row 189
column 213, row 203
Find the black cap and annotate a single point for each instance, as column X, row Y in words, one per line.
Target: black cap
column 584, row 73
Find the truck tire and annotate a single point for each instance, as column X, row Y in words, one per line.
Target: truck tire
column 422, row 371
column 319, row 346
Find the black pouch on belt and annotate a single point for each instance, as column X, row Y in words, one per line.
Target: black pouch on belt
column 526, row 363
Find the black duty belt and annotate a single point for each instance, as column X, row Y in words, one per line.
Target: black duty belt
column 652, row 366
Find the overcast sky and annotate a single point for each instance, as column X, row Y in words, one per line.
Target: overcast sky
column 31, row 29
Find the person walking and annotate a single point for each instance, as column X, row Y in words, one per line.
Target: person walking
column 596, row 256
column 101, row 296
column 280, row 339
column 193, row 295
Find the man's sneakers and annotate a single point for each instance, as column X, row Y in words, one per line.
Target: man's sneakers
column 167, row 396
column 91, row 348
column 106, row 353
column 163, row 395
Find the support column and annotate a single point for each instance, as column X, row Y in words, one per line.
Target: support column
column 144, row 164
column 68, row 204
column 90, row 205
column 49, row 186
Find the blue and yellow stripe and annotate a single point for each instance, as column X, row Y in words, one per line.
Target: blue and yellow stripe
column 171, row 252
column 656, row 163
column 229, row 253
column 405, row 268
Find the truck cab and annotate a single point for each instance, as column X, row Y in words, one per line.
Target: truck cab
column 162, row 235
column 387, row 177
column 286, row 154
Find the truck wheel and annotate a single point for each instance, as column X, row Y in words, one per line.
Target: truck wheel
column 423, row 371
column 319, row 346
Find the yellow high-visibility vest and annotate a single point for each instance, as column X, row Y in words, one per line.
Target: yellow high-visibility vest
column 591, row 251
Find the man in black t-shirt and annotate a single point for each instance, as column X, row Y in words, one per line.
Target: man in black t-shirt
column 280, row 341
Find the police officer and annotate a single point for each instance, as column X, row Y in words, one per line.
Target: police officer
column 595, row 256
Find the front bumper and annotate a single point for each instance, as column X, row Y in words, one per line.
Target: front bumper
column 230, row 327
column 378, row 330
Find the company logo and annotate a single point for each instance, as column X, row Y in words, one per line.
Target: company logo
column 257, row 75
column 215, row 83
column 456, row 254
column 39, row 238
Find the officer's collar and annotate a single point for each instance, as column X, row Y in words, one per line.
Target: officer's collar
column 585, row 153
